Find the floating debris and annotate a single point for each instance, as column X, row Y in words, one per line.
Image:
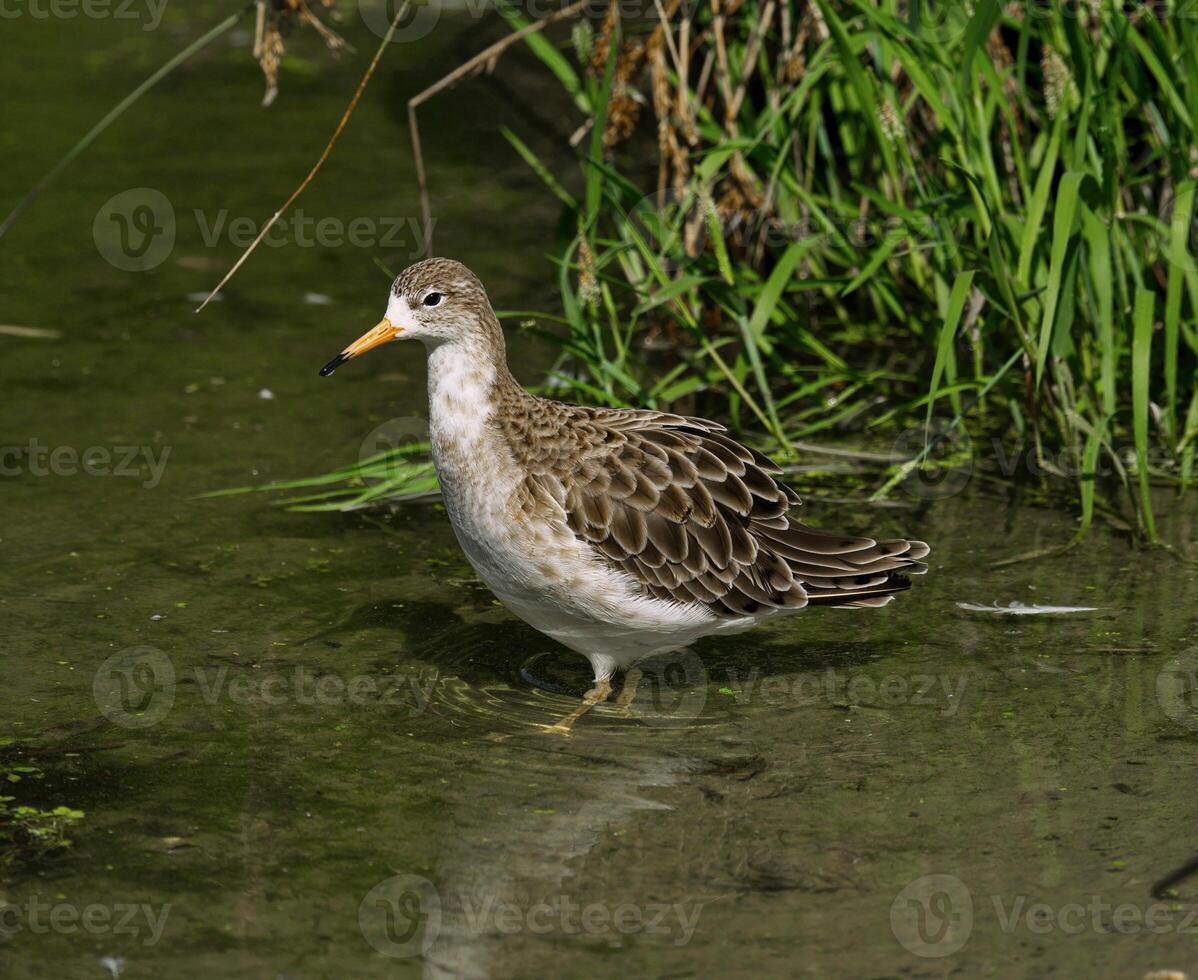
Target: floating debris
column 196, row 263
column 114, row 965
column 318, row 299
column 1024, row 609
column 34, row 333
column 266, row 394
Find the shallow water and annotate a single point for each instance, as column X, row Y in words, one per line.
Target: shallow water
column 324, row 758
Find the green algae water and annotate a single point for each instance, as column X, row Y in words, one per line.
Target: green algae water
column 307, row 745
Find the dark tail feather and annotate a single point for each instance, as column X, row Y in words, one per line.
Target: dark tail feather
column 867, row 597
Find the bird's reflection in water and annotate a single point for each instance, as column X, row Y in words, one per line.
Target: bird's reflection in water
column 513, row 869
column 523, row 830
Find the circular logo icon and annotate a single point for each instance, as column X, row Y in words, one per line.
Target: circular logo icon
column 401, row 916
column 136, row 687
column 388, row 448
column 1177, row 688
column 378, row 15
column 135, row 230
column 671, row 688
column 932, row 916
column 946, row 464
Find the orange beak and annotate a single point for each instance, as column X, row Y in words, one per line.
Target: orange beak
column 382, row 333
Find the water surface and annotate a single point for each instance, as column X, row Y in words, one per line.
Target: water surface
column 326, row 761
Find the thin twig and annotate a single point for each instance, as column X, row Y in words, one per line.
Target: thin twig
column 1174, row 878
column 349, row 110
column 704, row 77
column 749, row 64
column 664, row 18
column 334, row 40
column 684, row 67
column 118, row 111
column 483, row 57
column 723, row 74
column 259, row 29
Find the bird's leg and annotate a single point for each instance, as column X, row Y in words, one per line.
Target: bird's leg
column 628, row 691
column 596, row 695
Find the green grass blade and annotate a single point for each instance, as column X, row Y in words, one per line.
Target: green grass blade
column 1062, row 231
column 119, row 110
column 948, row 330
column 1141, row 365
column 1179, row 240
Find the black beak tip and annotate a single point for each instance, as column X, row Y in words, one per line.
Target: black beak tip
column 332, row 366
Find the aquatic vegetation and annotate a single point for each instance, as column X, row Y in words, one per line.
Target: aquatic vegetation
column 959, row 233
column 869, row 214
column 29, row 831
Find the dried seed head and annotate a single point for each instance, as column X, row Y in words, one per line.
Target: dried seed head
column 1058, row 81
column 588, row 285
column 274, row 22
column 622, row 113
column 892, row 124
column 792, row 70
column 602, row 44
column 583, row 39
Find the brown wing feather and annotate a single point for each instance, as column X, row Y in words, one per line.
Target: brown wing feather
column 693, row 515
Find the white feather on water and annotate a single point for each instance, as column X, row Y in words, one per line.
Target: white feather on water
column 1024, row 609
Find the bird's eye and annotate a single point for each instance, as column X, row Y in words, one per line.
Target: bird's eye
column 433, row 299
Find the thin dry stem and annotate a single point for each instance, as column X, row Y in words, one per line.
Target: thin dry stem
column 488, row 56
column 349, row 111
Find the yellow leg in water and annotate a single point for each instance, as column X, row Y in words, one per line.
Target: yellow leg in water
column 596, row 695
column 628, row 691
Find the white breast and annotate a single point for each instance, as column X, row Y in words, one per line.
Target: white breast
column 540, row 570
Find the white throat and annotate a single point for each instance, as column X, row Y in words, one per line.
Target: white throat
column 460, row 383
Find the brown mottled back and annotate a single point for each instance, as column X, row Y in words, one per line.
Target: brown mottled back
column 691, row 514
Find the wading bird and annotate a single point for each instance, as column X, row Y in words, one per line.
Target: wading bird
column 619, row 533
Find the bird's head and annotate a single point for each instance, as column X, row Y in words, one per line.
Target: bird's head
column 437, row 301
